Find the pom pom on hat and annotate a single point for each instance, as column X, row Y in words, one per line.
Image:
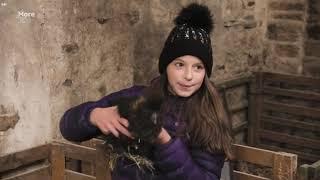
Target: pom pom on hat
column 197, row 16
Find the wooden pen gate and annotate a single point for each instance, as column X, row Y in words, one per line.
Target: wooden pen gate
column 286, row 115
column 48, row 162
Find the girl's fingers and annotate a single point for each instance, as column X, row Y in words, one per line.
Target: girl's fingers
column 124, row 122
column 113, row 130
column 163, row 137
column 105, row 131
column 122, row 129
column 103, row 128
column 114, row 126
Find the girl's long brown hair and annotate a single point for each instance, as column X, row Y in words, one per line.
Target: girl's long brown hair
column 209, row 126
column 208, row 122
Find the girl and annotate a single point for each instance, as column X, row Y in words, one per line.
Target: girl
column 196, row 136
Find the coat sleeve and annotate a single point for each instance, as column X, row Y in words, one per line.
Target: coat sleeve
column 75, row 124
column 176, row 161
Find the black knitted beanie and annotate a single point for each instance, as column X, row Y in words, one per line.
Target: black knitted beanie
column 190, row 36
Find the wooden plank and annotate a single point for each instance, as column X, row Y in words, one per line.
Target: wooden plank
column 42, row 173
column 239, row 107
column 15, row 160
column 258, row 105
column 240, row 127
column 73, row 164
column 292, row 93
column 57, row 162
column 292, row 79
column 254, row 109
column 285, row 166
column 292, row 109
column 72, row 175
column 238, row 175
column 304, row 172
column 253, row 155
column 291, row 123
column 295, row 140
column 301, row 155
column 102, row 166
column 88, row 168
column 252, row 113
column 79, row 152
column 92, row 142
column 231, row 83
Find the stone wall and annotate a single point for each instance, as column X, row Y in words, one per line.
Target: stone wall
column 285, row 36
column 56, row 54
column 312, row 40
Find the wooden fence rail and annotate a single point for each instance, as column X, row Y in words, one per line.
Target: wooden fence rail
column 224, row 87
column 54, row 167
column 284, row 165
column 284, row 107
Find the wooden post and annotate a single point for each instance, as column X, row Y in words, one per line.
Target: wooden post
column 251, row 112
column 303, row 172
column 284, row 166
column 57, row 162
column 102, row 163
column 255, row 100
column 259, row 103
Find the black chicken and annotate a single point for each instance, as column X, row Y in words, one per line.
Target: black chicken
column 143, row 114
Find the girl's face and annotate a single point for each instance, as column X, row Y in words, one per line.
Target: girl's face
column 185, row 75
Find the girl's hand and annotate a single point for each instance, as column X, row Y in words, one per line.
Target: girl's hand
column 163, row 137
column 108, row 121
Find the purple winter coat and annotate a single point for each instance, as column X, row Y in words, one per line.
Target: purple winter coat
column 175, row 160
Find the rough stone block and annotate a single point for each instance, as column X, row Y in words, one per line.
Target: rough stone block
column 314, row 7
column 251, row 3
column 236, row 96
column 311, row 66
column 312, row 49
column 287, row 50
column 313, row 11
column 249, row 22
column 287, row 6
column 8, row 121
column 70, row 48
column 282, row 31
column 8, row 118
column 288, row 16
column 313, row 32
column 238, row 118
column 313, row 19
column 239, row 138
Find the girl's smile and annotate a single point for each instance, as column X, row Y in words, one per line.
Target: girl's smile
column 185, row 87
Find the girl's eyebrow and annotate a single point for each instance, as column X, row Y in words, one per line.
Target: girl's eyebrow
column 181, row 60
column 178, row 59
column 197, row 64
